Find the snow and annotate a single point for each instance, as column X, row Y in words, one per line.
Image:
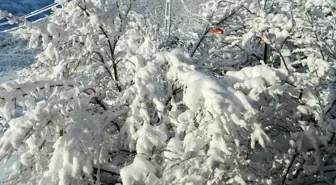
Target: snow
column 149, row 137
column 141, row 170
column 14, row 56
column 62, row 2
column 105, row 103
column 30, row 8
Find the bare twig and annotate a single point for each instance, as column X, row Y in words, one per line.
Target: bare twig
column 112, row 49
column 207, row 29
column 288, row 168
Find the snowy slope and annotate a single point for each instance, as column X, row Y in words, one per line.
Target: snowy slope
column 14, row 55
column 14, row 52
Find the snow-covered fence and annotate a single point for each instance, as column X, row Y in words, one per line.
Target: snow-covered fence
column 4, row 25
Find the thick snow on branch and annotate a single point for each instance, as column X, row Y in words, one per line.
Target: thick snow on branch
column 109, row 100
column 214, row 120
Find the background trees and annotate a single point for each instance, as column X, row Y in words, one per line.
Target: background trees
column 108, row 101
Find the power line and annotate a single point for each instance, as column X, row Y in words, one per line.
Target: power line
column 33, row 13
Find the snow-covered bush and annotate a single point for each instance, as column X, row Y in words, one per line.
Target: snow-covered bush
column 103, row 105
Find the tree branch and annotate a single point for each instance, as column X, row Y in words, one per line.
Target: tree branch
column 288, row 168
column 114, row 65
column 207, row 29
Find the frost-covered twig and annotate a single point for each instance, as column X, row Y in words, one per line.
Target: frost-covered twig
column 13, row 19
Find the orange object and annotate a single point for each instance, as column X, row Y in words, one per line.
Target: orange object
column 262, row 41
column 217, row 31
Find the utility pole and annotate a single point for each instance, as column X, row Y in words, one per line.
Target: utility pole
column 167, row 22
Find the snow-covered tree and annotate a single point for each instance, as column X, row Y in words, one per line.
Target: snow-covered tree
column 105, row 103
